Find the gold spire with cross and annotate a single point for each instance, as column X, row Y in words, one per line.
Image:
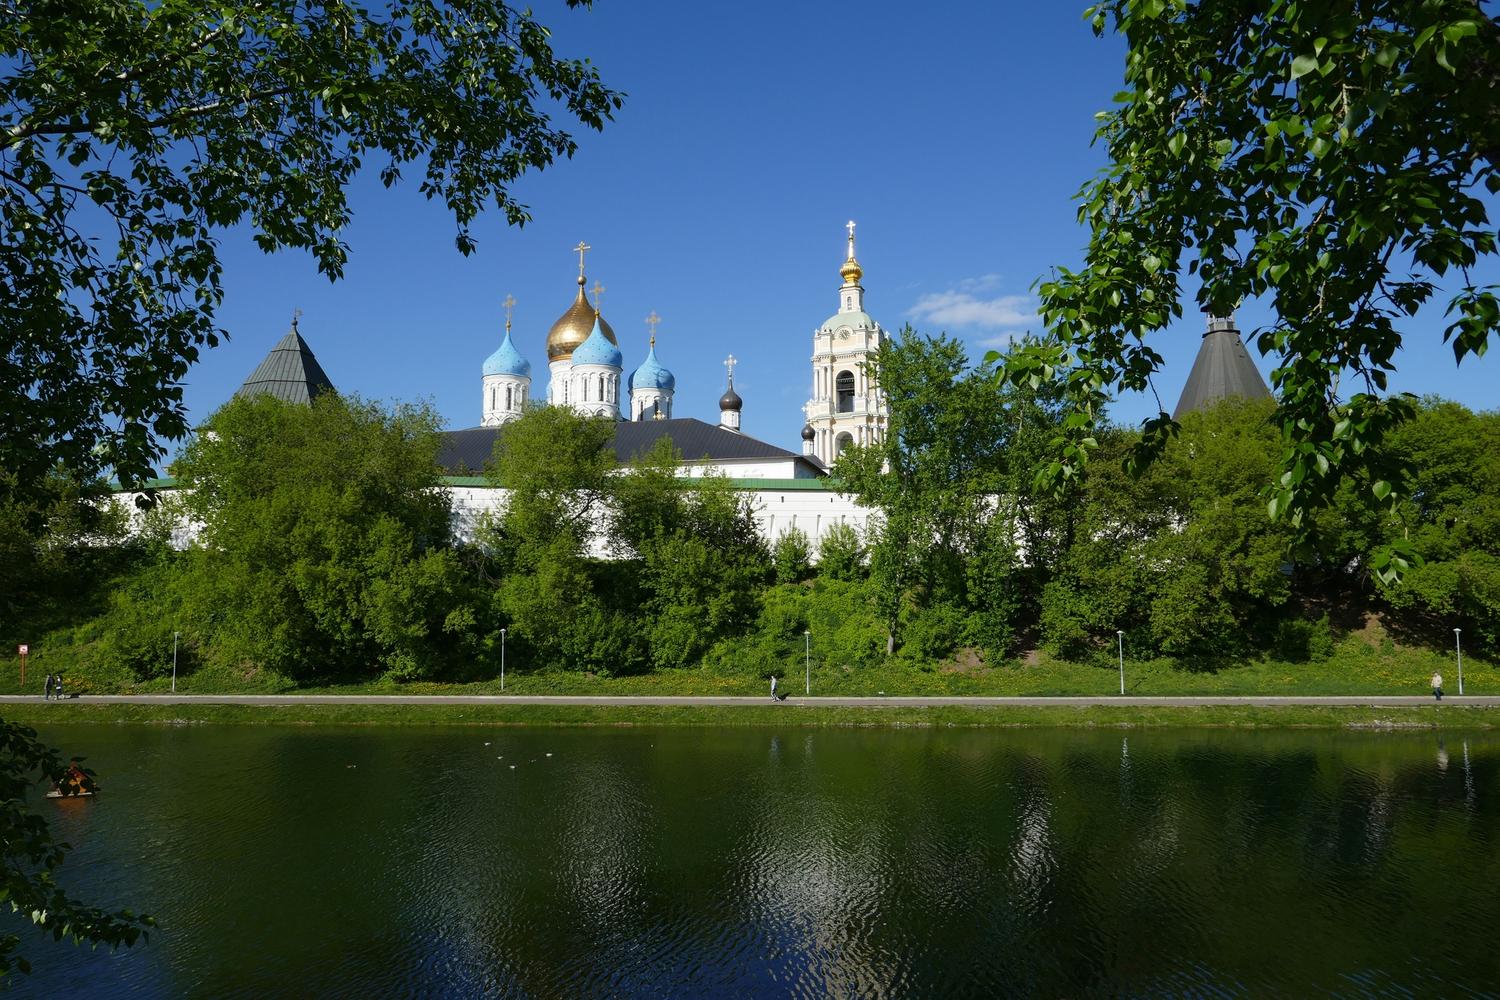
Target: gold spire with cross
column 573, row 326
column 510, row 303
column 851, row 272
column 598, row 291
column 651, row 322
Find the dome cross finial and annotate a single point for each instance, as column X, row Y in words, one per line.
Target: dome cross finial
column 729, row 363
column 296, row 315
column 850, row 226
column 581, row 249
column 510, row 303
column 651, row 322
column 598, row 291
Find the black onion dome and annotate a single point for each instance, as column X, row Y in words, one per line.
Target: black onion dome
column 730, row 400
column 808, row 433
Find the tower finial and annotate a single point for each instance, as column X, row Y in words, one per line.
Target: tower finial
column 729, row 363
column 581, row 249
column 296, row 315
column 510, row 303
column 598, row 291
column 651, row 322
column 851, row 272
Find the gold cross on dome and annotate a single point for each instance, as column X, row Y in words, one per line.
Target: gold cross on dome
column 598, row 291
column 651, row 322
column 581, row 249
column 850, row 226
column 729, row 363
column 510, row 303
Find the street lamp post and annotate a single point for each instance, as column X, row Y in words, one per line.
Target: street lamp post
column 1120, row 634
column 807, row 658
column 1458, row 648
column 174, row 661
column 502, row 659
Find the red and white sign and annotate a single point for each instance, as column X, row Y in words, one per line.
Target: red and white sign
column 24, row 649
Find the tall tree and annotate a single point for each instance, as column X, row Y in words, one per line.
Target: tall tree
column 326, row 545
column 131, row 131
column 934, row 475
column 1329, row 157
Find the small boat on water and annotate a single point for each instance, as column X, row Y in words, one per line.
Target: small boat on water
column 73, row 786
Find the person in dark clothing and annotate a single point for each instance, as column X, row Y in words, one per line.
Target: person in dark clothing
column 47, row 689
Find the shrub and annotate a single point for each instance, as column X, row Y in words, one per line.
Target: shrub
column 841, row 556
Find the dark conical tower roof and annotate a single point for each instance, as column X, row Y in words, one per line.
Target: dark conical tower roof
column 289, row 372
column 1223, row 369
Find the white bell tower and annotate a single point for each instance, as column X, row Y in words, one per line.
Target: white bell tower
column 847, row 406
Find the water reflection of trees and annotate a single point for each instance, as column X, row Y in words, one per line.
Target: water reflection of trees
column 816, row 863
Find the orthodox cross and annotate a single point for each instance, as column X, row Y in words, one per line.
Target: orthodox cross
column 850, row 226
column 581, row 249
column 510, row 303
column 729, row 363
column 598, row 291
column 651, row 322
column 296, row 315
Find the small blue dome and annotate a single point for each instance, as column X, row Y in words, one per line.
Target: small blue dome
column 651, row 375
column 507, row 361
column 597, row 350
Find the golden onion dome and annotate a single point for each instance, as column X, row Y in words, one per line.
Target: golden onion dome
column 851, row 272
column 574, row 326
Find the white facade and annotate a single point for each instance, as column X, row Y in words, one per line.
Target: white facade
column 504, row 398
column 650, row 404
column 847, row 406
column 594, row 390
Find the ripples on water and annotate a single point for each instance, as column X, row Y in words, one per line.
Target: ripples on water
column 695, row 862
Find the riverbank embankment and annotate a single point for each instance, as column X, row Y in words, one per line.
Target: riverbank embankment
column 1362, row 713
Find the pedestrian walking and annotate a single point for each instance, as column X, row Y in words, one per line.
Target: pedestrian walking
column 773, row 687
column 1437, row 686
column 47, row 689
column 57, row 687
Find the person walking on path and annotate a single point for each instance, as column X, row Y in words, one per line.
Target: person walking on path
column 1437, row 686
column 773, row 687
column 57, row 687
column 47, row 689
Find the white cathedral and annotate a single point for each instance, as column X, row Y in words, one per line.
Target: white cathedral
column 586, row 371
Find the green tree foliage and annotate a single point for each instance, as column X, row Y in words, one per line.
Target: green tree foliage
column 934, row 478
column 1452, row 515
column 1179, row 557
column 841, row 554
column 791, row 556
column 132, row 130
column 325, row 547
column 1331, row 159
column 559, row 470
column 30, row 858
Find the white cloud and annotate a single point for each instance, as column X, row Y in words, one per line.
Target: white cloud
column 966, row 306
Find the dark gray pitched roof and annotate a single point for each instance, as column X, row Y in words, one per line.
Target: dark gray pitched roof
column 469, row 450
column 289, row 372
column 1223, row 369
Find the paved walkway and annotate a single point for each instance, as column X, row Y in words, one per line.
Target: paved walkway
column 1130, row 701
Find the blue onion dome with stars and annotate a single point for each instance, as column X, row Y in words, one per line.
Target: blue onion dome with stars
column 597, row 350
column 507, row 361
column 651, row 374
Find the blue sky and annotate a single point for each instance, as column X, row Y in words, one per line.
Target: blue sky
column 955, row 134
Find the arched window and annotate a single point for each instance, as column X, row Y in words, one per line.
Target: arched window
column 841, row 442
column 492, row 398
column 508, row 405
column 846, row 392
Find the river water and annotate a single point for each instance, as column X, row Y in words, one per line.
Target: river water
column 567, row 862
